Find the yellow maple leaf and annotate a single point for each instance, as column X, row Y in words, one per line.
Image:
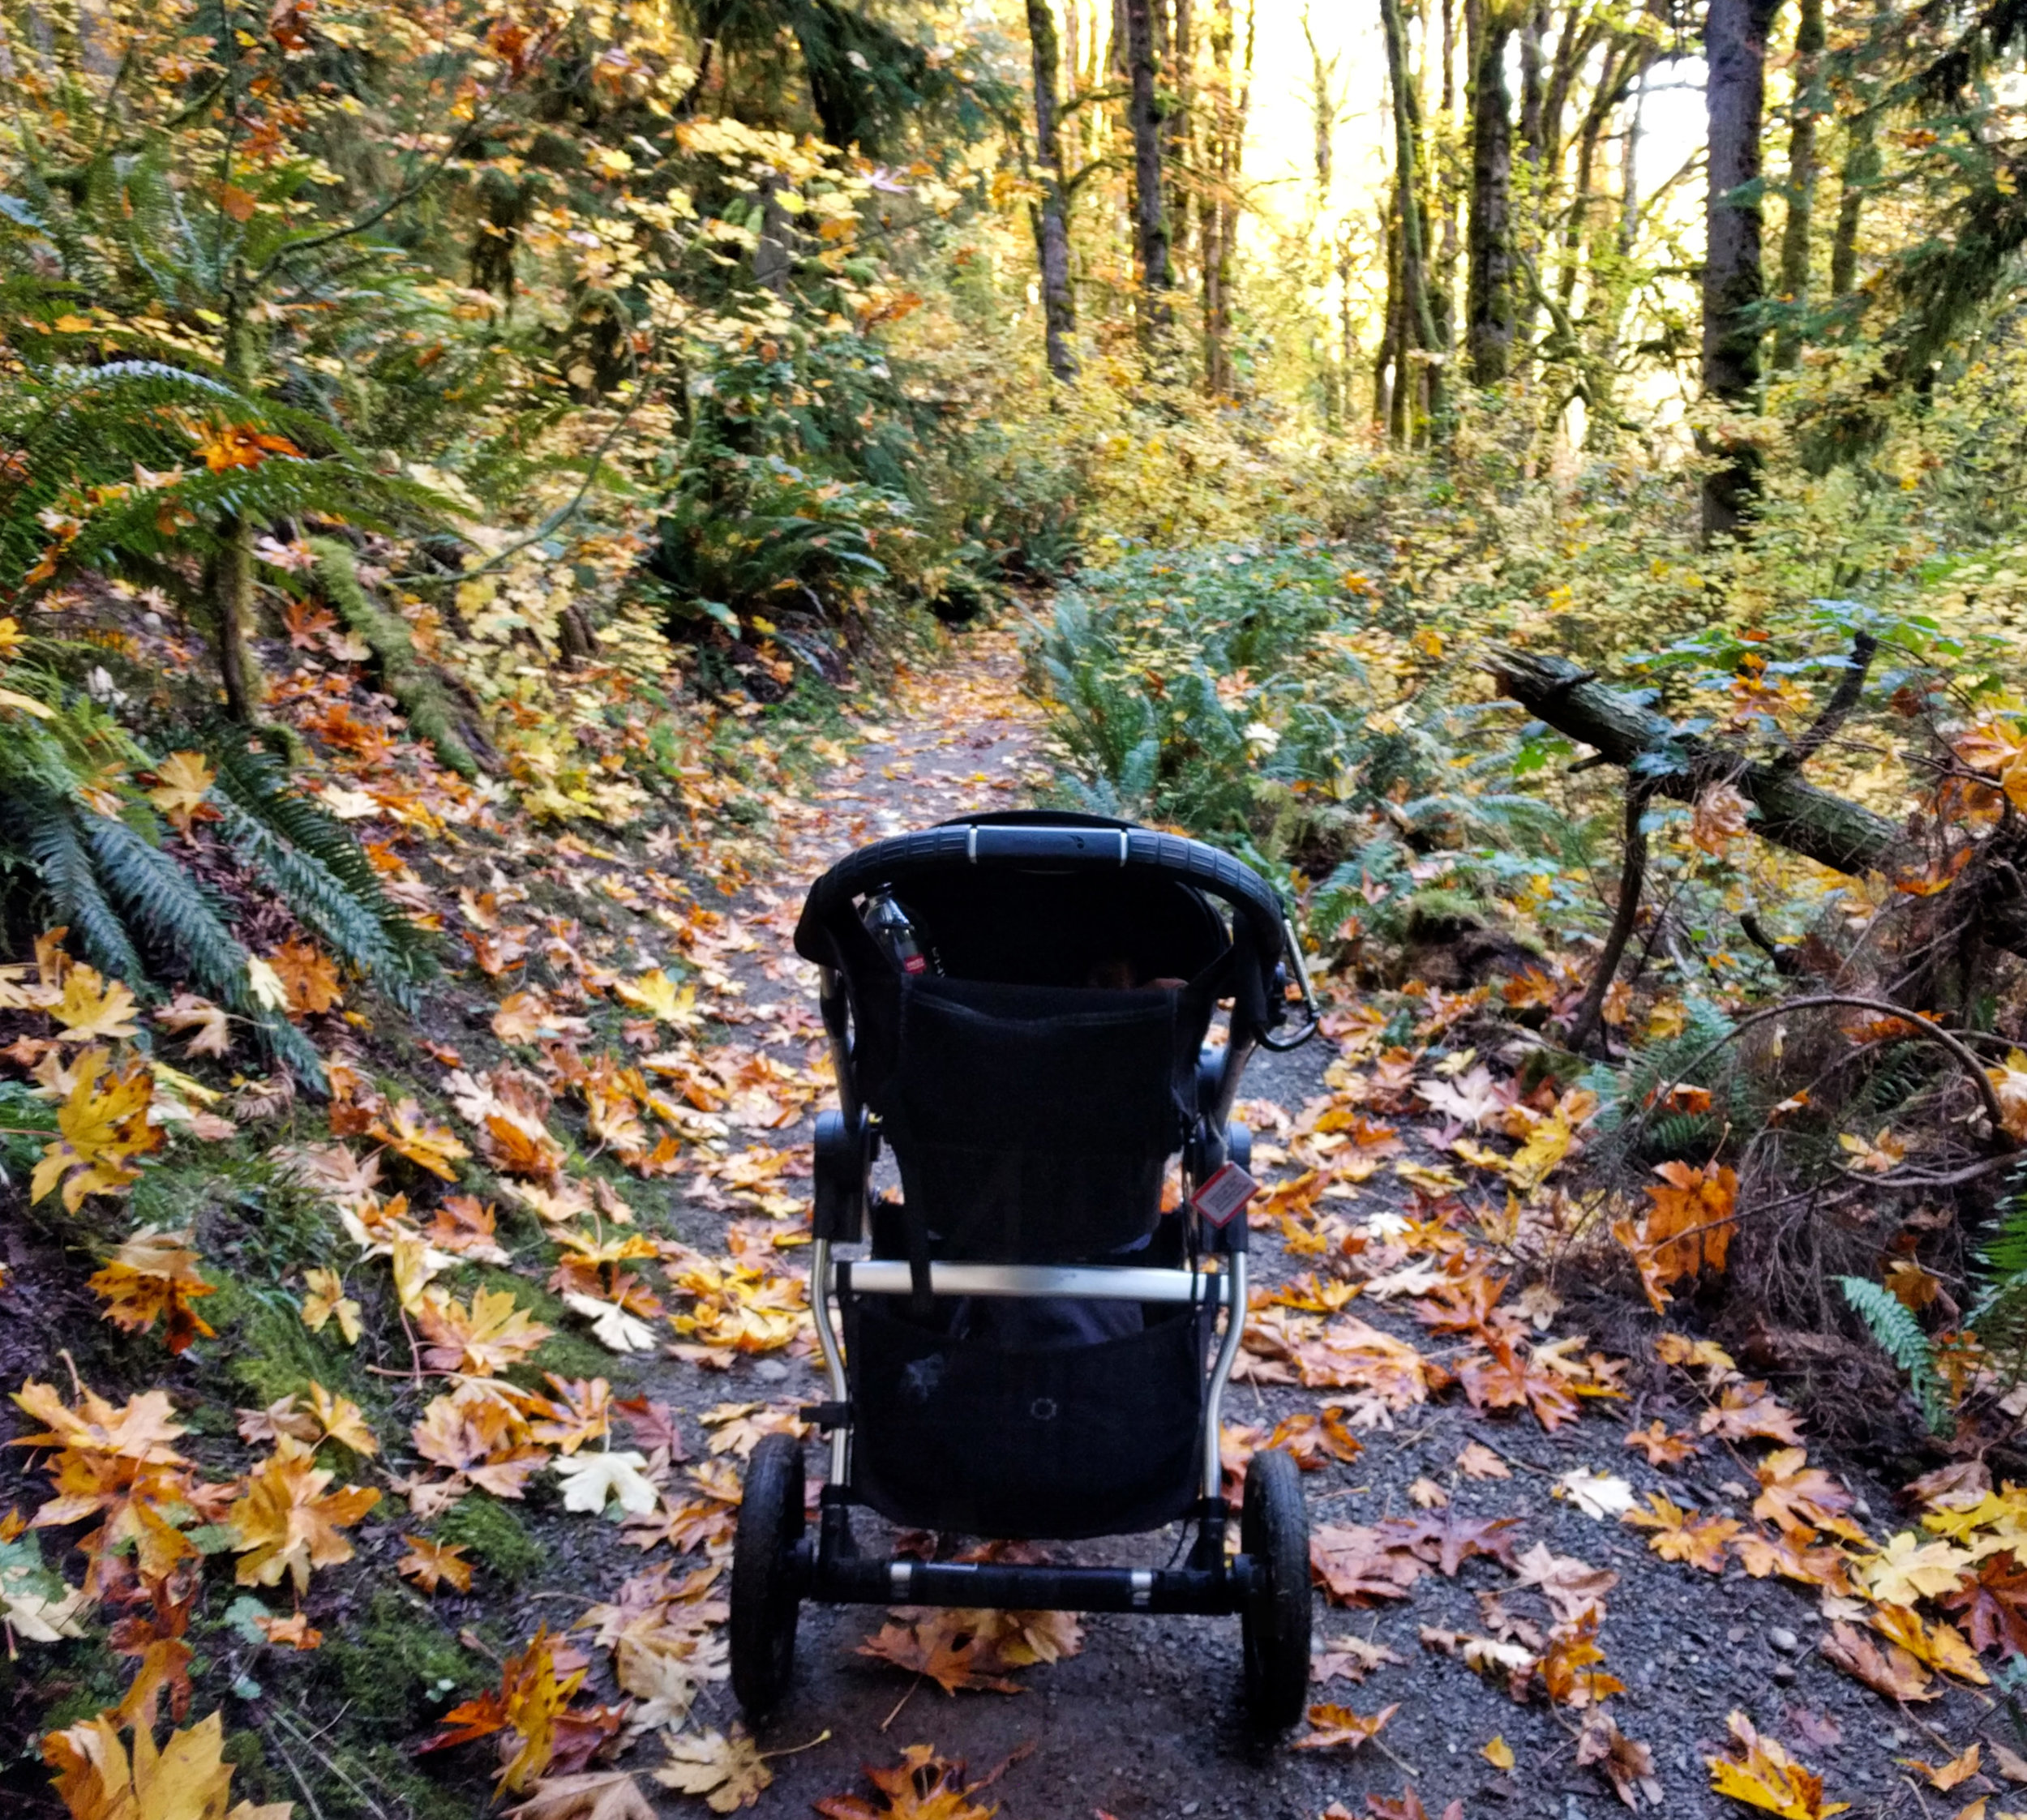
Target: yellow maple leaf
column 1547, row 1144
column 285, row 1522
column 1766, row 1777
column 658, row 995
column 327, row 1301
column 94, row 1008
column 153, row 1274
column 425, row 1143
column 341, row 1420
column 102, row 1130
column 187, row 1778
column 182, row 782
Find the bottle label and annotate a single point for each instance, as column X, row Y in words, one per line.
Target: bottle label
column 1224, row 1194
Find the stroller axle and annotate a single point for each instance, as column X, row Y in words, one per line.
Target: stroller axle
column 1007, row 1586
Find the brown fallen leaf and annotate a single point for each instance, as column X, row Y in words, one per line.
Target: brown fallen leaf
column 1628, row 1766
column 727, row 1769
column 936, row 1646
column 922, row 1786
column 1356, row 1564
column 1946, row 1776
column 1572, row 1588
column 598, row 1795
column 1892, row 1671
column 1352, row 1657
column 1478, row 1461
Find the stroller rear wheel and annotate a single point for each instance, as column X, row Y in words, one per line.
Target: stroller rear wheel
column 1274, row 1532
column 765, row 1593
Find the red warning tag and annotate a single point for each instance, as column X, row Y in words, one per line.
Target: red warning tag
column 1224, row 1194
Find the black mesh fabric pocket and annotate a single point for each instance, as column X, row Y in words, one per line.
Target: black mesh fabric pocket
column 1056, row 1444
column 1032, row 1123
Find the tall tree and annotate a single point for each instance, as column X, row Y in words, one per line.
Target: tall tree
column 1735, row 97
column 1150, row 217
column 1489, row 312
column 1861, row 166
column 1052, row 214
column 1417, row 336
column 1218, row 217
column 1792, row 285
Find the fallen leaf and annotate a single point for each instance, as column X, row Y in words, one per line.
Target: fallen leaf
column 597, row 1794
column 429, row 1563
column 726, row 1769
column 1763, row 1775
column 594, row 1480
column 1332, row 1726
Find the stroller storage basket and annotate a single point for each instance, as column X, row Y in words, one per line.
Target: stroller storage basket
column 1054, row 1443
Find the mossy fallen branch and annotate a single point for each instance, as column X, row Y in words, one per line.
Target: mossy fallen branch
column 420, row 696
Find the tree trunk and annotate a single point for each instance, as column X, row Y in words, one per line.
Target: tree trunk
column 1861, row 165
column 1794, row 282
column 1052, row 223
column 1488, row 304
column 1177, row 125
column 1221, row 161
column 1150, row 220
column 1735, row 49
column 1418, row 322
column 233, row 572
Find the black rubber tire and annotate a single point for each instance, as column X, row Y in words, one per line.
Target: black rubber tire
column 765, row 1593
column 1274, row 1534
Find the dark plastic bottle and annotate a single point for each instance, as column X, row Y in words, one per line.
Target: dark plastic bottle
column 890, row 927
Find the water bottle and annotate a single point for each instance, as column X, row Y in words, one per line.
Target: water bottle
column 890, row 927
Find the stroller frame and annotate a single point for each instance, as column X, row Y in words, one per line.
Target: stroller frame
column 778, row 1564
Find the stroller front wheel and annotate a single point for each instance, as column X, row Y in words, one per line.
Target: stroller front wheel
column 1274, row 1533
column 765, row 1596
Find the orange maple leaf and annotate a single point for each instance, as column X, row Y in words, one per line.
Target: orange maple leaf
column 285, row 1522
column 154, row 1274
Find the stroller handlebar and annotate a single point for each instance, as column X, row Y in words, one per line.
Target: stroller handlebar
column 1052, row 843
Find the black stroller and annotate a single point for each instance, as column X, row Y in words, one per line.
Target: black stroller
column 1018, row 1005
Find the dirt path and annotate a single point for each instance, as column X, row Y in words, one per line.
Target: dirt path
column 1144, row 1721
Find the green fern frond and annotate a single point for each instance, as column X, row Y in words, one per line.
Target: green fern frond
column 316, row 866
column 167, row 908
column 46, row 828
column 1900, row 1337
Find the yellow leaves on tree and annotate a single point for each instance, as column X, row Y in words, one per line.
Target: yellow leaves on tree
column 1687, row 1228
column 1764, row 1776
column 154, row 1274
column 186, row 1779
column 102, row 1123
column 285, row 1522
